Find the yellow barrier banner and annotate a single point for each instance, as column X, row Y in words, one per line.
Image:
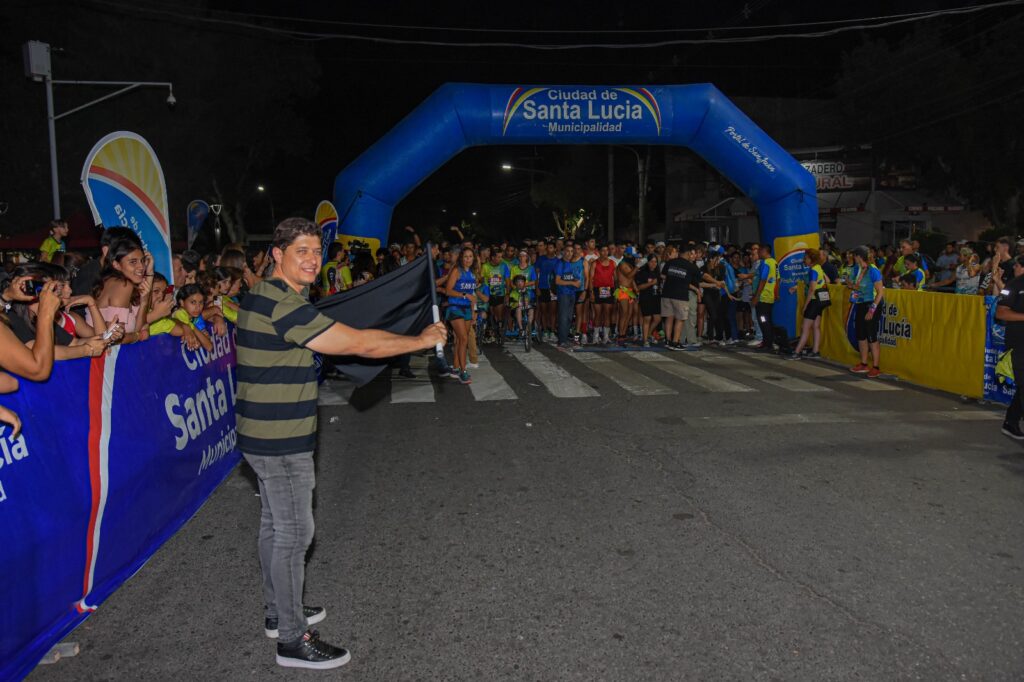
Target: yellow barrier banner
column 928, row 338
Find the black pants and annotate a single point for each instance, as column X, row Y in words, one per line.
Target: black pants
column 1014, row 410
column 764, row 320
column 712, row 310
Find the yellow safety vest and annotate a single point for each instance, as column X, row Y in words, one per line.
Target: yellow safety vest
column 771, row 282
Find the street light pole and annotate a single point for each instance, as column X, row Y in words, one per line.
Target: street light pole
column 611, row 194
column 641, row 171
column 38, row 68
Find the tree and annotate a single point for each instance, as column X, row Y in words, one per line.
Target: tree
column 948, row 99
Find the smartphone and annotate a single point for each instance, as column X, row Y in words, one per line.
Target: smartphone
column 33, row 287
column 110, row 331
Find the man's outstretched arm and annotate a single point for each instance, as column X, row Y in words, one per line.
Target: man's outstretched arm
column 340, row 339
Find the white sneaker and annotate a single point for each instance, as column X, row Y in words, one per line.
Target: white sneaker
column 472, row 365
column 753, row 342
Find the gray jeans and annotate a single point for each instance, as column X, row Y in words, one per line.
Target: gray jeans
column 286, row 530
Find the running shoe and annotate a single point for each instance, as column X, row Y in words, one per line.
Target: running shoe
column 860, row 368
column 464, row 378
column 444, row 372
column 472, row 365
column 647, row 344
column 812, row 354
column 874, row 372
column 795, row 356
column 754, row 343
column 673, row 346
column 1012, row 431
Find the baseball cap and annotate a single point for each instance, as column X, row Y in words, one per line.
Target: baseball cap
column 659, row 244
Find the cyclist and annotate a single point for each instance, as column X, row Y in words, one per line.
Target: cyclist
column 496, row 275
column 814, row 304
column 522, row 268
column 461, row 291
column 521, row 300
column 602, row 283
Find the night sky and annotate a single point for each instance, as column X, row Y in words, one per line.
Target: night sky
column 363, row 88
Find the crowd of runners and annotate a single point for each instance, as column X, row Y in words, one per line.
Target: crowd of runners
column 576, row 293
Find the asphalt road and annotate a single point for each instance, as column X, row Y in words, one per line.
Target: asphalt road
column 700, row 516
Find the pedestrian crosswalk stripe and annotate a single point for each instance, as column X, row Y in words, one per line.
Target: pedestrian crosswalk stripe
column 809, row 368
column 335, row 392
column 418, row 390
column 632, row 381
column 818, row 371
column 488, row 384
column 707, row 380
column 787, row 383
column 559, row 382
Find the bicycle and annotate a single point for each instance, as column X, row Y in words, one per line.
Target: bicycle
column 525, row 325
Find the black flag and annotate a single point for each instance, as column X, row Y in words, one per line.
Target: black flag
column 398, row 302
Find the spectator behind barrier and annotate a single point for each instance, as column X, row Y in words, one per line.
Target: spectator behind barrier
column 124, row 288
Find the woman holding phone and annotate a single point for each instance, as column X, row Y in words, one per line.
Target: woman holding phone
column 73, row 335
column 123, row 291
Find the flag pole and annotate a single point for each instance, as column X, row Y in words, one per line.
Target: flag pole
column 428, row 253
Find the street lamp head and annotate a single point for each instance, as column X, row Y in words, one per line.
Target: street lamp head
column 474, row 213
column 171, row 101
column 261, row 188
column 506, row 166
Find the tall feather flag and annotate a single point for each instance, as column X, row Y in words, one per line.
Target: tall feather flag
column 125, row 186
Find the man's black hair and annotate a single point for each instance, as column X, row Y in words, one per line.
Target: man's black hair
column 290, row 229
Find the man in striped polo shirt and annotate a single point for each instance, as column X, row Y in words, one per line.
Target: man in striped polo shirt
column 278, row 331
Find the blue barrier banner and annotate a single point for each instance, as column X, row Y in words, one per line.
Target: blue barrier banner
column 995, row 344
column 117, row 453
column 583, row 110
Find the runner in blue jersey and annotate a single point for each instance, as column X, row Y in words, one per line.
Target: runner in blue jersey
column 546, row 293
column 461, row 291
column 568, row 281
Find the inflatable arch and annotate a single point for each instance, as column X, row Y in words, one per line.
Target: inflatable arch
column 700, row 117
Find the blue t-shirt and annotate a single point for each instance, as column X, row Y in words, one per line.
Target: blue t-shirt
column 545, row 266
column 570, row 272
column 730, row 278
column 465, row 284
column 865, row 291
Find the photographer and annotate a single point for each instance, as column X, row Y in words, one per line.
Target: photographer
column 72, row 335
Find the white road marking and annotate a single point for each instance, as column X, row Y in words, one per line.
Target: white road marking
column 787, row 383
column 335, row 392
column 706, row 380
column 559, row 382
column 809, row 368
column 633, row 381
column 488, row 384
column 418, row 390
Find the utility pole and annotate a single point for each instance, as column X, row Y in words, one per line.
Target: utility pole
column 38, row 67
column 611, row 194
column 641, row 171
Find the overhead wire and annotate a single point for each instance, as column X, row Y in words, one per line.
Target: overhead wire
column 315, row 36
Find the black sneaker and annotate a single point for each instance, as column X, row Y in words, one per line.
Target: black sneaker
column 1012, row 431
column 311, row 652
column 313, row 614
column 673, row 346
